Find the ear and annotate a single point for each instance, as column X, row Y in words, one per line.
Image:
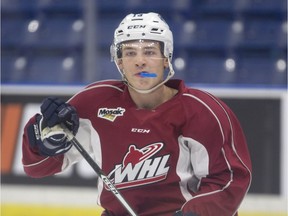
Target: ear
column 166, row 65
column 119, row 63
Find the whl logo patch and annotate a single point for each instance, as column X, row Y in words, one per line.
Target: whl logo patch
column 140, row 168
column 110, row 114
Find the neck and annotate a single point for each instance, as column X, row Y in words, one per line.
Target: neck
column 153, row 99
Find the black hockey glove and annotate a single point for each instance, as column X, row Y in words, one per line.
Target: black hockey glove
column 47, row 135
column 56, row 111
column 180, row 213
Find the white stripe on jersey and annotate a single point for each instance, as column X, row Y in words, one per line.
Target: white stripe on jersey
column 193, row 164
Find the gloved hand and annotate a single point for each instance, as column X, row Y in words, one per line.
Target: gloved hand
column 180, row 213
column 48, row 134
column 56, row 111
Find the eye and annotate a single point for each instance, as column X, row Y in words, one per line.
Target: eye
column 150, row 53
column 129, row 53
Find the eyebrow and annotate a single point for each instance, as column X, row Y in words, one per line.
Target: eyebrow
column 133, row 48
column 127, row 48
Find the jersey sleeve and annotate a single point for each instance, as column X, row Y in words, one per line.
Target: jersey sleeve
column 222, row 172
column 36, row 165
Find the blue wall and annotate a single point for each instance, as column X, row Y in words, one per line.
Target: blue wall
column 216, row 42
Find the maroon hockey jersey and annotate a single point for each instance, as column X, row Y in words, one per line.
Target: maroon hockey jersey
column 189, row 153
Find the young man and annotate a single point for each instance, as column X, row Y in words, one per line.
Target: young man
column 169, row 149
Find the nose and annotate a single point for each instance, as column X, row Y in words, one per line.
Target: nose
column 140, row 61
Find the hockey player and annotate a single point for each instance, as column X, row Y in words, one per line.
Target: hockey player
column 169, row 149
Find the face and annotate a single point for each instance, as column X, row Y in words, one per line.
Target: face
column 139, row 56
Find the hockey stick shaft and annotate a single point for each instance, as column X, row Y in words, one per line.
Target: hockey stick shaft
column 99, row 172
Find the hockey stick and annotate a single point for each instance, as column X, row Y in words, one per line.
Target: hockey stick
column 98, row 170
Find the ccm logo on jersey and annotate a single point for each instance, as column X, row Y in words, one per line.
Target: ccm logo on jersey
column 110, row 114
column 140, row 130
column 139, row 168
